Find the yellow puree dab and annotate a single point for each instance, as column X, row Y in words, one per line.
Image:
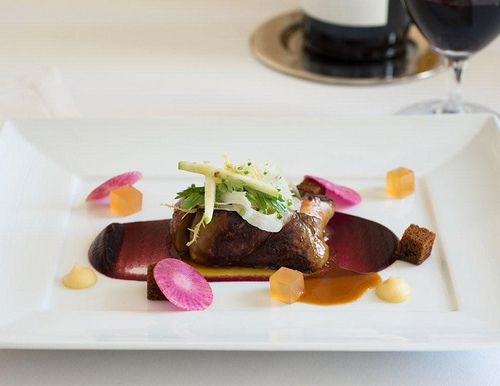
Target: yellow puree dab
column 394, row 290
column 80, row 278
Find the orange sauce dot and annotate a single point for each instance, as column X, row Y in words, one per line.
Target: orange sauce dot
column 125, row 200
column 400, row 182
column 334, row 285
column 286, row 285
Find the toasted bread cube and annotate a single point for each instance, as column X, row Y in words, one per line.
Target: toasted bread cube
column 415, row 245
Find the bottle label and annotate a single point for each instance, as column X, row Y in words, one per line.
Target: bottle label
column 348, row 13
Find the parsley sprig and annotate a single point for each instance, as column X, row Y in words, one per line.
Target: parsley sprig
column 194, row 196
column 265, row 203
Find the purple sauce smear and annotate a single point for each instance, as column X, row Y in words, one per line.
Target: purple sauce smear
column 361, row 245
column 124, row 251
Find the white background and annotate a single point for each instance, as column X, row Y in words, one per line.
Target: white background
column 146, row 58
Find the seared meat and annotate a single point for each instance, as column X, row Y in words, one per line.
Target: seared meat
column 230, row 240
column 179, row 232
column 226, row 240
column 309, row 186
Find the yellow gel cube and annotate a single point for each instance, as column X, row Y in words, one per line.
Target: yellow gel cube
column 287, row 285
column 125, row 200
column 400, row 182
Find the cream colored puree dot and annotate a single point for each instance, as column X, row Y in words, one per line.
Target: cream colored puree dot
column 80, row 278
column 394, row 290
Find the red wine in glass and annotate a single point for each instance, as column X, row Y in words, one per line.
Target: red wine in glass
column 456, row 28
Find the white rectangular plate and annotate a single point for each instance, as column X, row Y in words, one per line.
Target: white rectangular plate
column 47, row 167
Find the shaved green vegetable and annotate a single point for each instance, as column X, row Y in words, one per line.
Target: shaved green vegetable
column 209, row 198
column 210, row 170
column 257, row 192
column 197, row 196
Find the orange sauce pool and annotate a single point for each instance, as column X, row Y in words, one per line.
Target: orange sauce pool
column 328, row 286
column 334, row 285
column 231, row 273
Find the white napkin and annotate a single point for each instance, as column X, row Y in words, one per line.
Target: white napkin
column 34, row 92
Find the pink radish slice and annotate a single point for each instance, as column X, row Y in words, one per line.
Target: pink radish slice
column 339, row 194
column 182, row 285
column 103, row 190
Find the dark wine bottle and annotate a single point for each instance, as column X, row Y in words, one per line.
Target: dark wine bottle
column 355, row 30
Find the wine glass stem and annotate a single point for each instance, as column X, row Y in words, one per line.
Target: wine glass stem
column 454, row 102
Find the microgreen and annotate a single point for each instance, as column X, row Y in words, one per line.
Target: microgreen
column 265, row 203
column 193, row 196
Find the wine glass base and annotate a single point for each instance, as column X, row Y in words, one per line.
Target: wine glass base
column 436, row 107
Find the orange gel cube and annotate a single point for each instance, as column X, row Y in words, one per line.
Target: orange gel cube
column 287, row 285
column 400, row 182
column 125, row 200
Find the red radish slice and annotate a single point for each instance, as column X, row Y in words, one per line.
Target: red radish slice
column 183, row 285
column 339, row 194
column 103, row 190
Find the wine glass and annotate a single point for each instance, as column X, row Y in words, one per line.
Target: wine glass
column 457, row 29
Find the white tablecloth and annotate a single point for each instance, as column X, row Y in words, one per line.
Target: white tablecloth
column 172, row 57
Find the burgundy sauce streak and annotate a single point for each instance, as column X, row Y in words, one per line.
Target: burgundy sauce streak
column 124, row 251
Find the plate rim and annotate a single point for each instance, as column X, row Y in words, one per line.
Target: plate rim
column 5, row 342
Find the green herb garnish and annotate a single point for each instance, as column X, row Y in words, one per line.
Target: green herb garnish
column 193, row 196
column 265, row 203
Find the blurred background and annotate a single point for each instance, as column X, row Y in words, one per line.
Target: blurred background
column 174, row 57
